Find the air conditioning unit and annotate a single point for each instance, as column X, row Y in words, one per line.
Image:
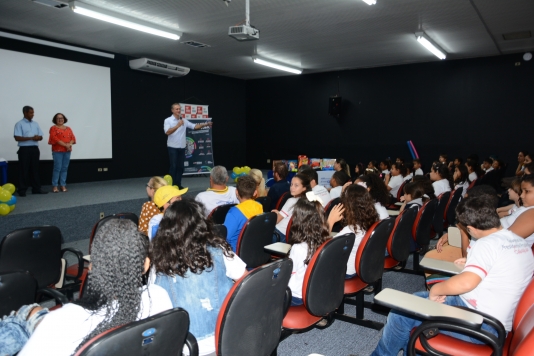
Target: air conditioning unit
column 158, row 67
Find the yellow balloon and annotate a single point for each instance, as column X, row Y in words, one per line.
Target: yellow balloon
column 235, row 179
column 5, row 196
column 246, row 169
column 11, row 207
column 236, row 170
column 4, row 209
column 168, row 179
column 9, row 187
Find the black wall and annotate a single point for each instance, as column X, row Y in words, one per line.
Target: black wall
column 458, row 107
column 140, row 103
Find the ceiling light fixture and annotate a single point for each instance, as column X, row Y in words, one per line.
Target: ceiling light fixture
column 426, row 42
column 276, row 66
column 121, row 20
column 369, row 2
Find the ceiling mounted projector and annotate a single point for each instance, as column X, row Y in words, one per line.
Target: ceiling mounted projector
column 244, row 32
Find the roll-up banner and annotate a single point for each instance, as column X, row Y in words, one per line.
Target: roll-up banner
column 199, row 143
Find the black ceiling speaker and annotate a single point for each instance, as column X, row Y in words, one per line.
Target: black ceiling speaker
column 334, row 106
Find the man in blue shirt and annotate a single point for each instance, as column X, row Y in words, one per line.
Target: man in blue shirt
column 28, row 134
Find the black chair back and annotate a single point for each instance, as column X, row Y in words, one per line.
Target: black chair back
column 423, row 222
column 324, row 280
column 218, row 214
column 265, row 202
column 17, row 288
column 33, row 249
column 398, row 245
column 400, row 192
column 283, row 199
column 255, row 234
column 437, row 223
column 161, row 334
column 450, row 212
column 250, row 319
column 370, row 255
column 328, row 208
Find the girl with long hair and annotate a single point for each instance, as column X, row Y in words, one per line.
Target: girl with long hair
column 474, row 170
column 378, row 190
column 461, row 178
column 195, row 266
column 114, row 296
column 440, row 176
column 514, row 193
column 341, row 165
column 260, row 182
column 527, row 200
column 308, row 232
column 149, row 209
column 413, row 196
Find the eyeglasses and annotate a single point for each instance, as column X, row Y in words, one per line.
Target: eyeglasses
column 148, row 186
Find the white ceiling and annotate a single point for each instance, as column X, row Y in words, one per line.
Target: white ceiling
column 315, row 35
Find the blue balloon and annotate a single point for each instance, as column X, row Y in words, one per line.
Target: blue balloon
column 242, row 174
column 233, row 175
column 12, row 201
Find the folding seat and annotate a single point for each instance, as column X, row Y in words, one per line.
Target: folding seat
column 450, row 209
column 265, row 202
column 255, row 234
column 323, row 287
column 437, row 224
column 421, row 233
column 282, row 200
column 161, row 334
column 218, row 214
column 369, row 265
column 250, row 319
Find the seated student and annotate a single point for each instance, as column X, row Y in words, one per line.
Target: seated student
column 399, row 160
column 337, row 182
column 514, row 193
column 260, row 182
column 359, row 215
column 308, row 232
column 280, row 186
column 195, row 266
column 218, row 193
column 461, row 178
column 163, row 198
column 497, row 271
column 114, row 296
column 394, row 179
column 444, row 159
column 427, row 186
column 417, row 167
column 385, row 166
column 376, row 187
column 521, row 160
column 408, row 167
column 318, row 189
column 341, row 165
column 440, row 176
column 458, row 161
column 358, row 170
column 487, row 164
column 300, row 184
column 413, row 196
column 527, row 198
column 372, row 168
column 238, row 215
column 473, row 169
column 529, row 168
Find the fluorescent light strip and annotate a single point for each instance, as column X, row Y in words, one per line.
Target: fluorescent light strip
column 55, row 44
column 438, row 52
column 369, row 2
column 83, row 10
column 277, row 66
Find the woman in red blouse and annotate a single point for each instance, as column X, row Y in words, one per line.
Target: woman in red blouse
column 61, row 139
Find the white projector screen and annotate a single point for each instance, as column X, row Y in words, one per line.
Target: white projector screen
column 82, row 92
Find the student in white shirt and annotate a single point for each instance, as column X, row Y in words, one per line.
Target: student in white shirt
column 337, row 182
column 395, row 179
column 408, row 173
column 417, row 167
column 514, row 193
column 308, row 232
column 440, row 176
column 377, row 188
column 219, row 192
column 527, row 199
column 114, row 296
column 300, row 184
column 461, row 179
column 318, row 189
column 473, row 169
column 385, row 165
column 413, row 196
column 487, row 164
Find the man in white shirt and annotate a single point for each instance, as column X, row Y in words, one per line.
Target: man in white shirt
column 319, row 190
column 218, row 193
column 175, row 127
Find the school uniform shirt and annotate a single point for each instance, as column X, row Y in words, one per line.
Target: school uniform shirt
column 62, row 330
column 237, row 217
column 382, row 211
column 505, row 263
column 415, row 203
column 462, row 185
column 441, row 186
column 419, row 172
column 335, row 192
column 489, row 169
column 394, row 183
column 509, row 220
column 408, row 177
column 351, row 263
column 213, row 198
column 472, row 176
column 286, row 212
column 322, row 193
column 298, row 254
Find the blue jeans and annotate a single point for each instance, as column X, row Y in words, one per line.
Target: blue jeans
column 61, row 164
column 176, row 160
column 397, row 330
column 296, row 301
column 16, row 329
column 282, row 236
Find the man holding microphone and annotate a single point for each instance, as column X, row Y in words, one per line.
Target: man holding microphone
column 175, row 127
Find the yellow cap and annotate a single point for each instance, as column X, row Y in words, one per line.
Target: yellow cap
column 166, row 193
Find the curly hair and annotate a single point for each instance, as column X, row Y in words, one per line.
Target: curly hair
column 182, row 241
column 114, row 283
column 54, row 119
column 378, row 189
column 309, row 225
column 359, row 207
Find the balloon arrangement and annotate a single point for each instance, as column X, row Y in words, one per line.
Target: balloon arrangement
column 168, row 179
column 7, row 199
column 239, row 171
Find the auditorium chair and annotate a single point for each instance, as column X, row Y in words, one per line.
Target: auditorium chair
column 328, row 209
column 265, row 202
column 256, row 233
column 250, row 318
column 471, row 185
column 400, row 193
column 369, row 265
column 450, row 210
column 282, row 200
column 322, row 289
column 421, row 233
column 426, row 339
column 165, row 333
column 438, row 221
column 218, row 214
column 38, row 251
